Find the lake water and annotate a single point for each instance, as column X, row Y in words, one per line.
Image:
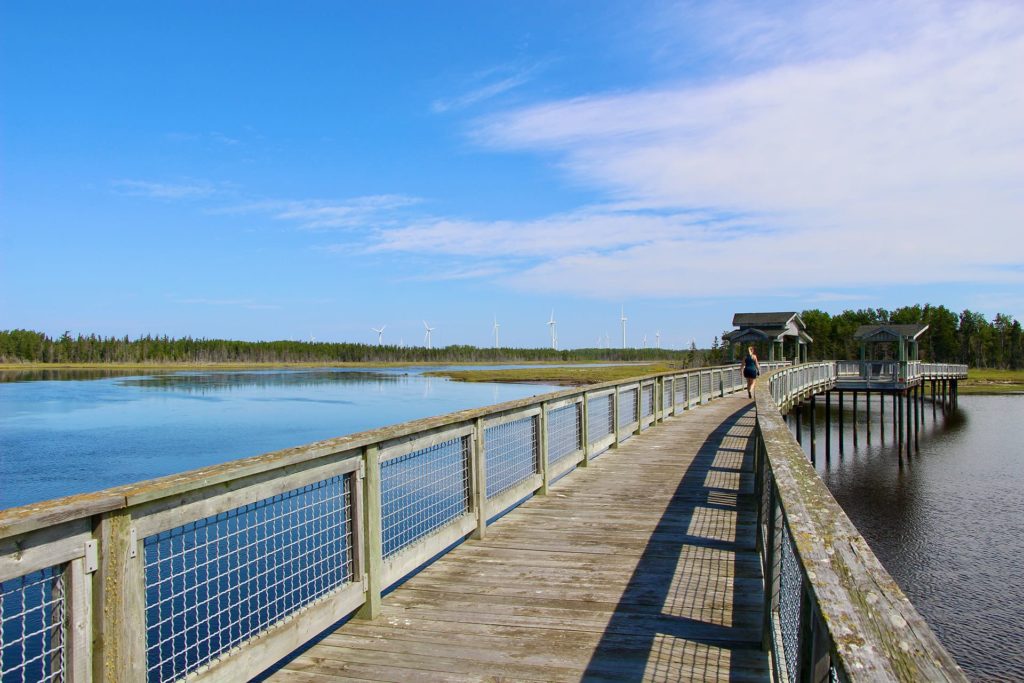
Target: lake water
column 79, row 431
column 947, row 523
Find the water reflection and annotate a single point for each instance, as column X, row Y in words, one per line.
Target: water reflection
column 63, row 437
column 63, row 374
column 204, row 382
column 947, row 521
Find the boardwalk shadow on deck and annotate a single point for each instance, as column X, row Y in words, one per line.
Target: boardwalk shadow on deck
column 663, row 628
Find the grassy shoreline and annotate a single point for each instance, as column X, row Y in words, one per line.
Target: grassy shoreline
column 266, row 365
column 979, row 381
column 564, row 376
column 985, row 381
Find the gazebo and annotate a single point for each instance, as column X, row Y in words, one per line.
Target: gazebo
column 904, row 336
column 771, row 328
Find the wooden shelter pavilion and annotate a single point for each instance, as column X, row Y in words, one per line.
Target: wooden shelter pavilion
column 904, row 336
column 773, row 329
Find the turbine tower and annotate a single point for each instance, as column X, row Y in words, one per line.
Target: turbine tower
column 496, row 326
column 657, row 339
column 623, row 319
column 426, row 337
column 645, row 340
column 380, row 334
column 551, row 325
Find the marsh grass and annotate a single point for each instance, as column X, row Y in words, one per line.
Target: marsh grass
column 569, row 376
column 985, row 381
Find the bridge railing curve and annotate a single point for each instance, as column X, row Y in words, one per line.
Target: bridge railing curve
column 832, row 612
column 218, row 573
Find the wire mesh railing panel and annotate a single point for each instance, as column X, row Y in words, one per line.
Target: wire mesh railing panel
column 647, row 400
column 627, row 407
column 682, row 386
column 668, row 395
column 513, row 454
column 600, row 417
column 423, row 491
column 565, row 432
column 790, row 588
column 217, row 582
column 705, row 384
column 766, row 497
column 693, row 382
column 32, row 627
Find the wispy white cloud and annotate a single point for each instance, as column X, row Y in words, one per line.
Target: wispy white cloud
column 211, row 136
column 484, row 86
column 588, row 229
column 188, row 189
column 248, row 304
column 355, row 212
column 865, row 160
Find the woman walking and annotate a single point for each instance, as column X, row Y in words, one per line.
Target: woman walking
column 751, row 369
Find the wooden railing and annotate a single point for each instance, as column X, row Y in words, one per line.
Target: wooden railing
column 218, row 573
column 832, row 612
column 894, row 371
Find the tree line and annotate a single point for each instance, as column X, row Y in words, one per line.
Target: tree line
column 967, row 337
column 22, row 346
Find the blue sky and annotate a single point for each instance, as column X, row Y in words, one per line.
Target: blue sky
column 269, row 170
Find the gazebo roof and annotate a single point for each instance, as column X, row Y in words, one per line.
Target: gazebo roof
column 775, row 326
column 889, row 333
column 764, row 319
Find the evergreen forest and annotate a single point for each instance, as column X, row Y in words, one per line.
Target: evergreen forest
column 967, row 337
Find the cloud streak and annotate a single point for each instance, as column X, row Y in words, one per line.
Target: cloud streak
column 898, row 162
column 486, row 91
column 193, row 189
column 321, row 214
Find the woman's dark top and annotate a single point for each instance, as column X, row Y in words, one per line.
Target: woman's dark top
column 750, row 366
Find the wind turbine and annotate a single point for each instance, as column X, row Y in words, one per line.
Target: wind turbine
column 551, row 325
column 426, row 337
column 496, row 326
column 623, row 319
column 380, row 334
column 657, row 339
column 645, row 340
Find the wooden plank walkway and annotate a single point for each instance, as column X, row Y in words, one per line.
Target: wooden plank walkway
column 639, row 567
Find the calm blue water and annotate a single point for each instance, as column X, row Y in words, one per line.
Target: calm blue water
column 59, row 437
column 947, row 523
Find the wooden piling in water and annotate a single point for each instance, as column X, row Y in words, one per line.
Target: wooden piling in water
column 898, row 422
column 917, row 417
column 828, row 426
column 855, row 420
column 867, row 414
column 895, row 417
column 841, row 422
column 909, row 420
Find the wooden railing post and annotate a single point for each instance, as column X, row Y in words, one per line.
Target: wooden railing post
column 585, row 430
column 542, row 446
column 78, row 585
column 615, row 416
column 119, row 602
column 479, row 479
column 639, row 407
column 373, row 539
column 659, row 399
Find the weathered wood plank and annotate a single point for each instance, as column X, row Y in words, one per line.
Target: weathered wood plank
column 639, row 567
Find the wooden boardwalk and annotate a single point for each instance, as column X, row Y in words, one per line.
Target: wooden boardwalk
column 639, row 567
